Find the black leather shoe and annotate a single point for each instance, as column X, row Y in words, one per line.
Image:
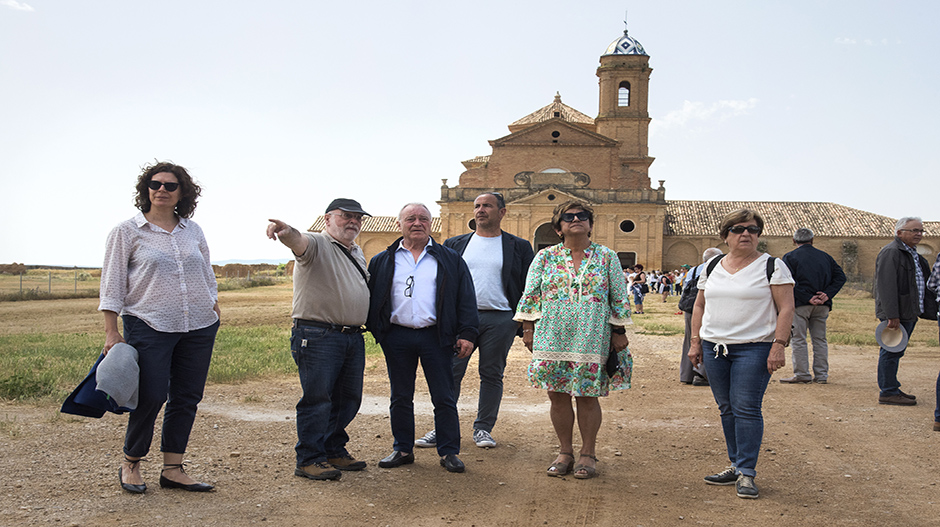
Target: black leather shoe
column 193, row 487
column 130, row 487
column 167, row 483
column 452, row 463
column 397, row 459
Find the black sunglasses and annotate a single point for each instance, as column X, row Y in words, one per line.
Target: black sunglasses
column 409, row 285
column 155, row 185
column 739, row 229
column 570, row 216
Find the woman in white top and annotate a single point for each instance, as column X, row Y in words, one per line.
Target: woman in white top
column 740, row 327
column 157, row 276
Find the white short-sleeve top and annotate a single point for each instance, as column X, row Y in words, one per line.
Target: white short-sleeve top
column 739, row 307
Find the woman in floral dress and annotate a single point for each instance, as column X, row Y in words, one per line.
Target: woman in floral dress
column 573, row 313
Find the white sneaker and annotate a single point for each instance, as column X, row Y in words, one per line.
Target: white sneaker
column 429, row 440
column 483, row 439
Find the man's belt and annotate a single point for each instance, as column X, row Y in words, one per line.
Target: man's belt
column 331, row 327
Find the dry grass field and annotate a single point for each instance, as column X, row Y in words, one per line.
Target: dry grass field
column 831, row 455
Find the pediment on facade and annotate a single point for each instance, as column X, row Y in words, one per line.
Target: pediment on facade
column 548, row 196
column 554, row 131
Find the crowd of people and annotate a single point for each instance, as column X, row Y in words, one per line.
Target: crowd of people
column 437, row 304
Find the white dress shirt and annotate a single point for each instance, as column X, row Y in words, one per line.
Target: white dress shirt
column 414, row 289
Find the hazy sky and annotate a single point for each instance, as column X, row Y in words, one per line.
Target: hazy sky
column 277, row 107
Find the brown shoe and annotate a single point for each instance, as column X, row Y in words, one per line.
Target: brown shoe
column 897, row 400
column 936, row 426
column 907, row 395
column 795, row 380
column 346, row 462
column 319, row 471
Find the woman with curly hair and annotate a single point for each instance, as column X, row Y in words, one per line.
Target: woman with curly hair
column 157, row 276
column 573, row 312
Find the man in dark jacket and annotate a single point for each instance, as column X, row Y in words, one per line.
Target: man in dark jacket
column 422, row 307
column 818, row 279
column 900, row 281
column 498, row 263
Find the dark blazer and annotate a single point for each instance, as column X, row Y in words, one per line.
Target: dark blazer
column 517, row 256
column 896, row 294
column 813, row 270
column 456, row 303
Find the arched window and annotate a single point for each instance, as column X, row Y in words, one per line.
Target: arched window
column 623, row 94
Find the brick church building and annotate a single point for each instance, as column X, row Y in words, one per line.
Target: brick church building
column 558, row 153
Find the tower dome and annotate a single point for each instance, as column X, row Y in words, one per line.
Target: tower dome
column 625, row 45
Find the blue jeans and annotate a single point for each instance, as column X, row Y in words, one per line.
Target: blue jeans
column 888, row 365
column 738, row 379
column 173, row 370
column 403, row 347
column 497, row 331
column 330, row 365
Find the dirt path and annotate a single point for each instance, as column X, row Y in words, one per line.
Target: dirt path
column 831, row 456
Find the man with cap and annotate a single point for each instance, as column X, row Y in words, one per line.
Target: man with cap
column 331, row 303
column 498, row 263
column 818, row 279
column 423, row 308
column 900, row 283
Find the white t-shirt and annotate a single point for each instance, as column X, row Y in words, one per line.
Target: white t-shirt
column 739, row 308
column 484, row 257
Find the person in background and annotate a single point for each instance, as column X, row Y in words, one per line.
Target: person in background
column 818, row 279
column 639, row 288
column 573, row 313
column 688, row 374
column 157, row 277
column 740, row 329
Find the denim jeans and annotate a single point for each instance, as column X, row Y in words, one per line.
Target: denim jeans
column 888, row 365
column 173, row 370
column 738, row 379
column 497, row 331
column 812, row 318
column 330, row 365
column 403, row 347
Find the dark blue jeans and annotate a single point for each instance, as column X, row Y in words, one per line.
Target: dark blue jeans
column 888, row 365
column 403, row 347
column 330, row 365
column 738, row 379
column 497, row 331
column 173, row 370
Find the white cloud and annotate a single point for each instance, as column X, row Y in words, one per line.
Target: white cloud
column 19, row 6
column 693, row 114
column 846, row 41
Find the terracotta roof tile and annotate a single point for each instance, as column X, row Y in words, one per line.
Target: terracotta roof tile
column 564, row 111
column 781, row 218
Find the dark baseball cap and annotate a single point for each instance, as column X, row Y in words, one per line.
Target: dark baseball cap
column 347, row 205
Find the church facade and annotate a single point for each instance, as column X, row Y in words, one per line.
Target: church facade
column 558, row 153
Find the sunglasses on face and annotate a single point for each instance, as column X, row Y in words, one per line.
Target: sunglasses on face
column 739, row 229
column 570, row 216
column 155, row 185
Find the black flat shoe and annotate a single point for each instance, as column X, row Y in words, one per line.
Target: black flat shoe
column 130, row 487
column 397, row 459
column 452, row 463
column 167, row 483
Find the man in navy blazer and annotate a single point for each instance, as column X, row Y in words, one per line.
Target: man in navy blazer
column 498, row 263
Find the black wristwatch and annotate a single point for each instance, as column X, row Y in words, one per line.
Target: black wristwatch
column 618, row 330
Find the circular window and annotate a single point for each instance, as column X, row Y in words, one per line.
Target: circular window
column 627, row 226
column 551, row 197
column 555, row 134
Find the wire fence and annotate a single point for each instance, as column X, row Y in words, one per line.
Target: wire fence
column 51, row 281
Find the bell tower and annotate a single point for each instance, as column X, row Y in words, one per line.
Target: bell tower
column 624, row 76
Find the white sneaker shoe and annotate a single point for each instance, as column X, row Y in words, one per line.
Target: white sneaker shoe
column 483, row 439
column 428, row 441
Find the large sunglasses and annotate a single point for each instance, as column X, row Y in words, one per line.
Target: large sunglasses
column 155, row 185
column 570, row 216
column 739, row 229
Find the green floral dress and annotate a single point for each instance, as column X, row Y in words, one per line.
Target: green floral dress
column 573, row 313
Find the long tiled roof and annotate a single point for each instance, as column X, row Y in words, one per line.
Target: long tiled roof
column 564, row 111
column 781, row 218
column 376, row 224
